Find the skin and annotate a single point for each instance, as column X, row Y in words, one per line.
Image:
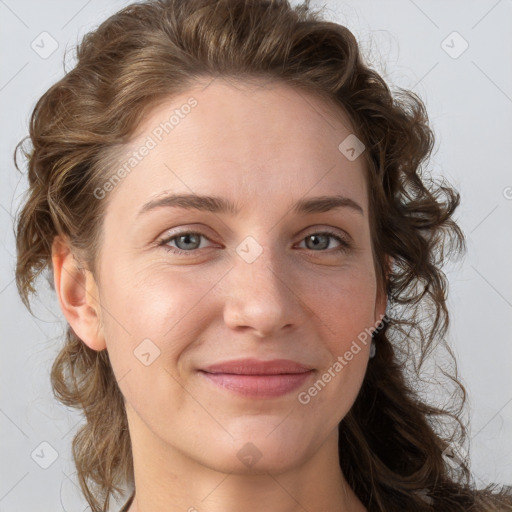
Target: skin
column 264, row 147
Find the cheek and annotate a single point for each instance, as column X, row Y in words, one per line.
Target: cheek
column 344, row 302
column 150, row 319
column 346, row 321
column 345, row 309
column 151, row 312
column 152, row 301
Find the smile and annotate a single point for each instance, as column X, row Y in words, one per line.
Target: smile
column 259, row 386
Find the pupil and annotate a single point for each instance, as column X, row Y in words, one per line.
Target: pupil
column 187, row 238
column 315, row 240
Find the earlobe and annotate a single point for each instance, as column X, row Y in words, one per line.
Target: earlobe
column 78, row 295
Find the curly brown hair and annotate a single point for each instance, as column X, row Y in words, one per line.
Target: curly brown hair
column 393, row 442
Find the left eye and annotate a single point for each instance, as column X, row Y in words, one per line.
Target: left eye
column 322, row 241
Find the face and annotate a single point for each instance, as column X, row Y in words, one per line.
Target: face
column 187, row 286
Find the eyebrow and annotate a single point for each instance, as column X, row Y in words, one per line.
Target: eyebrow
column 217, row 204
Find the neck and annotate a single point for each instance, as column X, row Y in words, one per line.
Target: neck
column 167, row 480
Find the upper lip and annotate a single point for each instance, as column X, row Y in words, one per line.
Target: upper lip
column 257, row 367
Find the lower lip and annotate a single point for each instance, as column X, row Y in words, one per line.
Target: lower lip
column 259, row 386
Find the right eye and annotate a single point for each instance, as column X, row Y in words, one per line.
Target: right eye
column 187, row 242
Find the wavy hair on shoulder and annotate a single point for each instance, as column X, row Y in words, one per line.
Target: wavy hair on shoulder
column 393, row 442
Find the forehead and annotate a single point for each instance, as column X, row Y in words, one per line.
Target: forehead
column 245, row 140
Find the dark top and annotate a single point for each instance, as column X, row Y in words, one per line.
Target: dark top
column 127, row 504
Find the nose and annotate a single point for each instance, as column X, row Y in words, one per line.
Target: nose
column 261, row 296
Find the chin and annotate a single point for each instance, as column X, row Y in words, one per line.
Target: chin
column 258, row 452
column 255, row 461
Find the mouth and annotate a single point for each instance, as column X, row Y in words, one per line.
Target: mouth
column 258, row 379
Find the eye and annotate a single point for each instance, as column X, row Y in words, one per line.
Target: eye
column 321, row 241
column 186, row 242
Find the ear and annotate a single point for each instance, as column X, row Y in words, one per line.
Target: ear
column 78, row 295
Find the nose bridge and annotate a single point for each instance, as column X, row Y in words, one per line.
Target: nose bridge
column 258, row 268
column 259, row 295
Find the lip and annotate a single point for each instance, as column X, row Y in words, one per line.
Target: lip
column 252, row 366
column 256, row 378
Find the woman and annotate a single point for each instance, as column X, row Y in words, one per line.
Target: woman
column 231, row 205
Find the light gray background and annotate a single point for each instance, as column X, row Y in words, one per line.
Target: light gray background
column 469, row 99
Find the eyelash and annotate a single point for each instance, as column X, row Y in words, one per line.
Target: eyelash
column 345, row 245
